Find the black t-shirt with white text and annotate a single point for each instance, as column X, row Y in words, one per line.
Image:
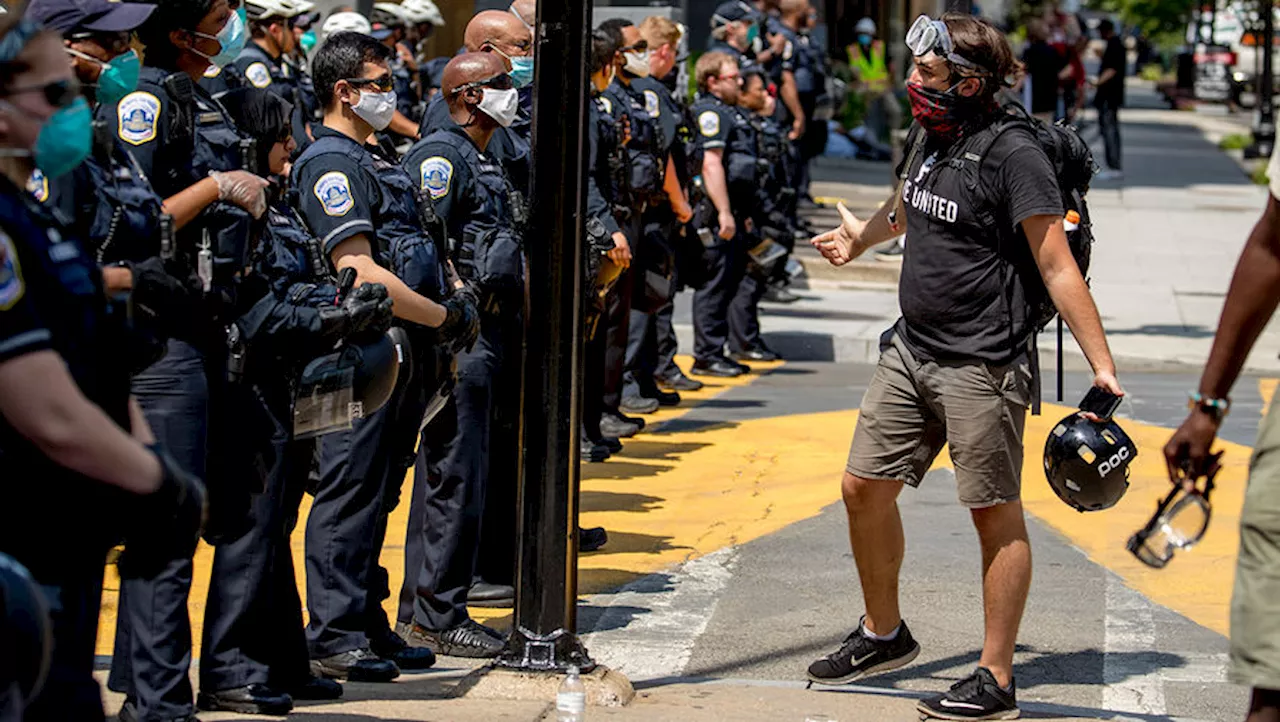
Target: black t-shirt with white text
column 967, row 264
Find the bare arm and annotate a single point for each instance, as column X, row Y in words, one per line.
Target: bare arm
column 403, row 126
column 713, row 177
column 1070, row 295
column 41, row 401
column 854, row 236
column 675, row 194
column 355, row 252
column 187, row 203
column 791, row 98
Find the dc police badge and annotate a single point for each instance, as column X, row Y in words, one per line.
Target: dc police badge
column 651, row 103
column 709, row 123
column 38, row 186
column 436, row 173
column 258, row 75
column 138, row 117
column 11, row 287
column 334, row 192
column 608, row 104
column 212, row 71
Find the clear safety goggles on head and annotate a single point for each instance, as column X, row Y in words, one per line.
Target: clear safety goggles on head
column 1180, row 522
column 930, row 36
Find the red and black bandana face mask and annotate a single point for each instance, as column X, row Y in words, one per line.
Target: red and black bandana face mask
column 945, row 114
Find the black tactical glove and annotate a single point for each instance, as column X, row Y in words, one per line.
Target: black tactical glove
column 364, row 310
column 166, row 524
column 461, row 324
column 369, row 308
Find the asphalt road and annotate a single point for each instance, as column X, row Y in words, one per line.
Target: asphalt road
column 1090, row 645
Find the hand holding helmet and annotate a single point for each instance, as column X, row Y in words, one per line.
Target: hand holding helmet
column 1087, row 462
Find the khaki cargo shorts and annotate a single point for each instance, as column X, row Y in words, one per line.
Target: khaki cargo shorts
column 913, row 408
column 1255, row 601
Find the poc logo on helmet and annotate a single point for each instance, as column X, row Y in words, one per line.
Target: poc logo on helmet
column 1116, row 461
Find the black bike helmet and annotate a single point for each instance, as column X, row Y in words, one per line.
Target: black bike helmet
column 1087, row 462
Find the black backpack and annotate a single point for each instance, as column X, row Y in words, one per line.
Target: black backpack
column 1074, row 168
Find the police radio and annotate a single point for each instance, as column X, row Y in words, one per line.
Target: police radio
column 166, row 237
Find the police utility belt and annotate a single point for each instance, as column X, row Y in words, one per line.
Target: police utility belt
column 492, row 261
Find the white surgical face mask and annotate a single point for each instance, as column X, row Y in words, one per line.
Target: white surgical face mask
column 501, row 105
column 376, row 109
column 637, row 63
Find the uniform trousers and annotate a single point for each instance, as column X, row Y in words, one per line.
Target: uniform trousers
column 642, row 355
column 496, row 562
column 152, row 653
column 253, row 631
column 616, row 323
column 74, row 595
column 449, row 483
column 722, row 290
column 744, row 315
column 361, row 472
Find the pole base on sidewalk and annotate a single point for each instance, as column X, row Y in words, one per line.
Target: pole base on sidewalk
column 605, row 687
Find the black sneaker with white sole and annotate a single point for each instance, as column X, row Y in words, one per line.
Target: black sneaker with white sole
column 976, row 697
column 861, row 656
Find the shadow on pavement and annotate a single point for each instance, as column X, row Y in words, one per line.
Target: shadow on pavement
column 616, row 501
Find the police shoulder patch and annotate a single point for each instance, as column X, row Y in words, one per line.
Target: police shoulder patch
column 651, row 103
column 788, row 51
column 38, row 186
column 436, row 174
column 212, row 71
column 258, row 75
column 334, row 192
column 608, row 104
column 709, row 123
column 138, row 116
column 11, row 286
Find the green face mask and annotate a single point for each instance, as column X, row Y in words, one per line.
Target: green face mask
column 753, row 32
column 308, row 41
column 118, row 77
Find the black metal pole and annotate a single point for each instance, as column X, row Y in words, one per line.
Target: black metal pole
column 1061, row 373
column 544, row 635
column 1264, row 127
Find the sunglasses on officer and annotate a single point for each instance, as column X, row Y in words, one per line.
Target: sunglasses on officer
column 382, row 83
column 502, row 81
column 639, row 47
column 114, row 43
column 1180, row 521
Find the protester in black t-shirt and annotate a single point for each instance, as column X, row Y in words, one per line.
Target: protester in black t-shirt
column 1109, row 97
column 955, row 369
column 1043, row 65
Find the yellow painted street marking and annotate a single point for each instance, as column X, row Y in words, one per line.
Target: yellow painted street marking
column 1267, row 390
column 687, row 490
column 620, row 468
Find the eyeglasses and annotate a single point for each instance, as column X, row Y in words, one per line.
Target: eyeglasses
column 383, row 83
column 1180, row 522
column 930, row 36
column 59, row 93
column 497, row 82
column 735, row 76
column 640, row 47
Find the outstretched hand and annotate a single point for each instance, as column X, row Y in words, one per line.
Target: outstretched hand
column 840, row 245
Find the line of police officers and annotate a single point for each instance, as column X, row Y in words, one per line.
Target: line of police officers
column 248, row 282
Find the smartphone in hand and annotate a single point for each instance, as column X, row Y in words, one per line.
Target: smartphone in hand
column 1100, row 402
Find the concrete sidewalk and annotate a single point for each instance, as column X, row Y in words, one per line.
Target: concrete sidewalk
column 1168, row 237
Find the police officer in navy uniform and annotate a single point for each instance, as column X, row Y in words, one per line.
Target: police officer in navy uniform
column 767, row 210
column 473, row 196
column 218, row 78
column 733, row 31
column 367, row 214
column 654, row 289
column 641, row 185
column 608, row 250
column 190, row 149
column 776, row 49
column 390, row 25
column 729, row 173
column 264, row 62
column 65, row 363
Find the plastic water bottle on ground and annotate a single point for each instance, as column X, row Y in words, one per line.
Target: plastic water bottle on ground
column 571, row 700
